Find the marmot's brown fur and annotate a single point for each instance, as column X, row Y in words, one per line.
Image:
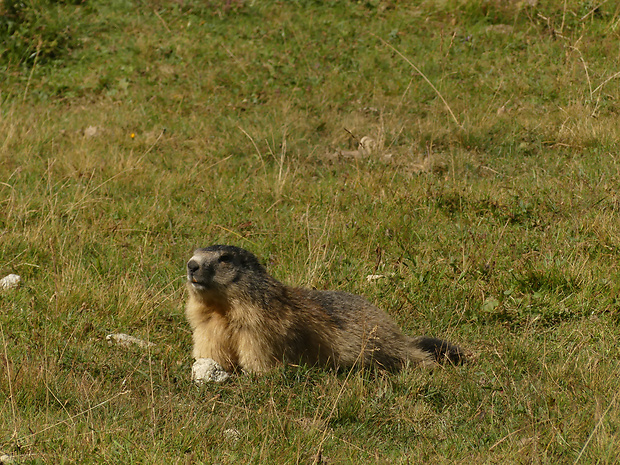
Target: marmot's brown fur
column 242, row 317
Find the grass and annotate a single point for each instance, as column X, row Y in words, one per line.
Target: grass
column 489, row 203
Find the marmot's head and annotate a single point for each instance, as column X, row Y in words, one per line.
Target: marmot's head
column 223, row 270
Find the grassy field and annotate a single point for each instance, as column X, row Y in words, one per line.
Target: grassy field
column 132, row 131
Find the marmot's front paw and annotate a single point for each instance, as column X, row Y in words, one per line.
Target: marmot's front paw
column 207, row 369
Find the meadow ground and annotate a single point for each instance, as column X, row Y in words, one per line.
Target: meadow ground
column 133, row 131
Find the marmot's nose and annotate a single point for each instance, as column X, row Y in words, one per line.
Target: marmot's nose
column 193, row 266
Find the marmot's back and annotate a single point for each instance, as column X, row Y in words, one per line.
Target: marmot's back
column 365, row 333
column 243, row 317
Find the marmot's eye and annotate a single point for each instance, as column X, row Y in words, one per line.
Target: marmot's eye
column 225, row 259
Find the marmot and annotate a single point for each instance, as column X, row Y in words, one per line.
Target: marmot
column 243, row 318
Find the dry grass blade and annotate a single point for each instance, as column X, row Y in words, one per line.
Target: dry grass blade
column 596, row 427
column 428, row 81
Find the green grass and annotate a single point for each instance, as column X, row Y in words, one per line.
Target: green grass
column 133, row 131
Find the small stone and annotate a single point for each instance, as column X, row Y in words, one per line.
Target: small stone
column 126, row 340
column 91, row 131
column 232, row 434
column 367, row 146
column 375, row 277
column 11, row 281
column 207, row 369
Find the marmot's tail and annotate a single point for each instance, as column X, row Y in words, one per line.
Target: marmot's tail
column 442, row 351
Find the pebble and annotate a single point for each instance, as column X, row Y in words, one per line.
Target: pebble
column 207, row 369
column 11, row 281
column 126, row 340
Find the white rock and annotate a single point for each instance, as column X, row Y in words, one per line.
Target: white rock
column 367, row 145
column 375, row 277
column 126, row 340
column 10, row 282
column 91, row 131
column 207, row 369
column 232, row 434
